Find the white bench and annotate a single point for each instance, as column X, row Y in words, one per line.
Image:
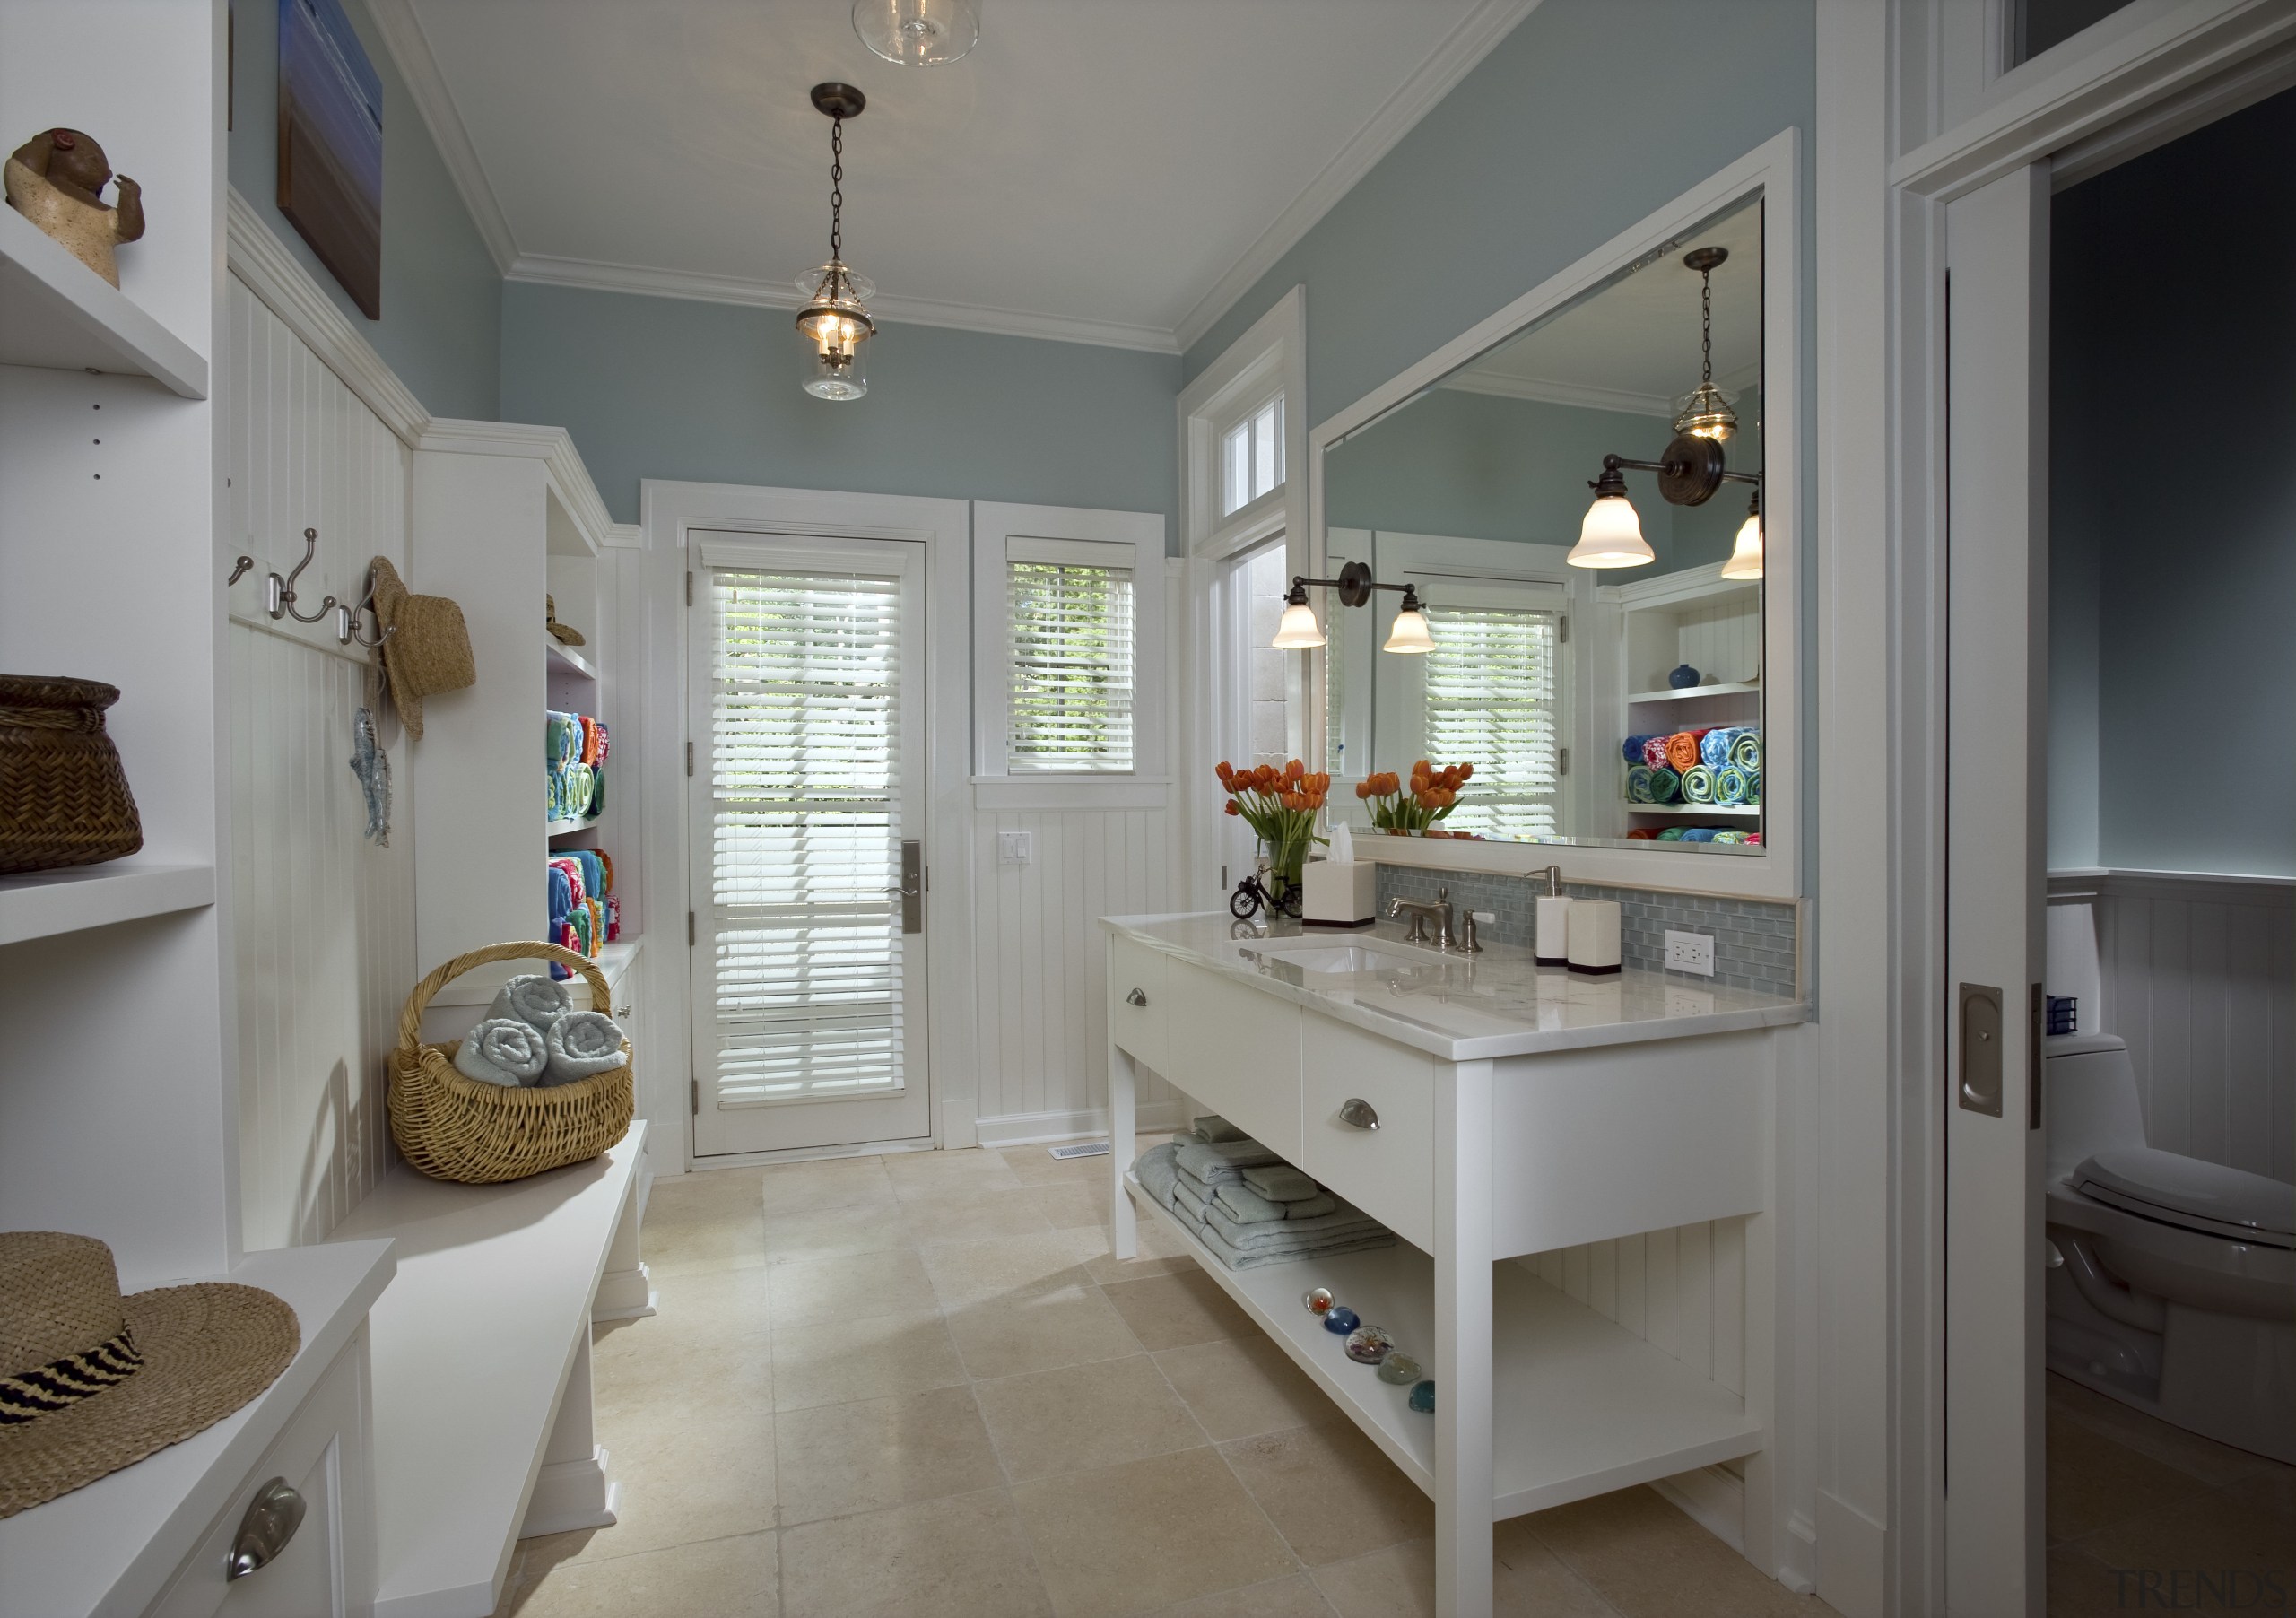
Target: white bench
column 482, row 1369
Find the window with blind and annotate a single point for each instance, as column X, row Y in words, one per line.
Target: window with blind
column 806, row 807
column 1493, row 698
column 1070, row 613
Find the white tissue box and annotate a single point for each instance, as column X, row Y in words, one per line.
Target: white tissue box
column 1593, row 935
column 1339, row 896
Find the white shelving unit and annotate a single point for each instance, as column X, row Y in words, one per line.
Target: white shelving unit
column 42, row 904
column 1584, row 1406
column 1713, row 624
column 1691, row 693
column 1750, row 812
column 57, row 314
column 566, row 660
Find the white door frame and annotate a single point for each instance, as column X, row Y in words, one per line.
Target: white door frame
column 669, row 512
column 2160, row 69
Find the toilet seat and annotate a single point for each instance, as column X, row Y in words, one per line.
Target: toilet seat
column 2191, row 1194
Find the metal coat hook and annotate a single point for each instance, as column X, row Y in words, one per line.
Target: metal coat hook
column 346, row 618
column 280, row 597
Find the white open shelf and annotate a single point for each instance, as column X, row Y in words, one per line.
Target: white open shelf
column 564, row 658
column 41, row 904
column 1582, row 1406
column 58, row 314
column 473, row 990
column 1736, row 811
column 1721, row 687
column 561, row 828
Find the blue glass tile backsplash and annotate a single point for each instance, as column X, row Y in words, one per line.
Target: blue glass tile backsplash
column 1754, row 939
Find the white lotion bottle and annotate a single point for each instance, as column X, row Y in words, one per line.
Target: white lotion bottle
column 1550, row 934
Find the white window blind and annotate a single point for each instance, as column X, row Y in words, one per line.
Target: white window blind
column 803, row 760
column 1491, row 702
column 1071, row 706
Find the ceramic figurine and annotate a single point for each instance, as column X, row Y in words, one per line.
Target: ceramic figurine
column 56, row 179
column 1683, row 677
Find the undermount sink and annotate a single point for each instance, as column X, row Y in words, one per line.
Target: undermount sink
column 1346, row 957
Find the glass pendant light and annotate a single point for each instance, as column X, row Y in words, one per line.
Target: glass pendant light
column 1745, row 557
column 1612, row 535
column 835, row 322
column 1298, row 631
column 1706, row 412
column 1410, row 633
column 917, row 33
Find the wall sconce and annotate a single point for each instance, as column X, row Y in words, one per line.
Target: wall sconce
column 1745, row 556
column 1298, row 632
column 1612, row 535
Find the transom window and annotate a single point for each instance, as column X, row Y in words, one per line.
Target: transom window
column 1251, row 458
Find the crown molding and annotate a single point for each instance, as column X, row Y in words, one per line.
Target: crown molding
column 1477, row 34
column 553, row 446
column 285, row 287
column 409, row 52
column 544, row 269
column 1579, row 396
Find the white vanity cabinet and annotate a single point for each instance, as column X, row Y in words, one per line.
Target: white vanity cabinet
column 1493, row 1115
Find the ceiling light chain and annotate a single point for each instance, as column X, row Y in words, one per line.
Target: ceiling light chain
column 835, row 321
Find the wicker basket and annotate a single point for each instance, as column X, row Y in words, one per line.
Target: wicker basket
column 64, row 799
column 457, row 1128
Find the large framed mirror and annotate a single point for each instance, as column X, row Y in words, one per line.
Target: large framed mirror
column 1561, row 549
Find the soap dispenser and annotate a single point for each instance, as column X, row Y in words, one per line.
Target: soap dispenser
column 1551, row 944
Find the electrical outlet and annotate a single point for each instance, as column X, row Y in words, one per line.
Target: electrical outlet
column 1690, row 953
column 1015, row 848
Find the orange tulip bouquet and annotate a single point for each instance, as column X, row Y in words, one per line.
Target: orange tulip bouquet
column 1280, row 806
column 1433, row 794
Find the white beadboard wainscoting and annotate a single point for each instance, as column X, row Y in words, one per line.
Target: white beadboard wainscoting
column 324, row 919
column 2197, row 973
column 1041, row 964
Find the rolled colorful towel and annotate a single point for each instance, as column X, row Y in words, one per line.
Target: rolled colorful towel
column 1281, row 1182
column 1713, row 746
column 508, row 1051
column 1654, row 752
column 1698, row 834
column 1698, row 785
column 1672, row 834
column 1665, row 786
column 1730, row 837
column 1730, row 784
column 1682, row 749
column 1637, row 784
column 1223, row 1162
column 535, row 1000
column 582, row 1045
column 1635, row 749
column 1745, row 751
column 1753, row 787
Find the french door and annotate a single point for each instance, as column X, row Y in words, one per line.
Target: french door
column 1996, row 858
column 808, row 723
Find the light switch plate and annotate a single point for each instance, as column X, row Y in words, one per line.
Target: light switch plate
column 1015, row 848
column 1690, row 953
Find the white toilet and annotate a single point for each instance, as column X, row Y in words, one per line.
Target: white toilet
column 2172, row 1281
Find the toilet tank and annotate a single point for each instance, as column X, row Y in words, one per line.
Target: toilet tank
column 2088, row 1100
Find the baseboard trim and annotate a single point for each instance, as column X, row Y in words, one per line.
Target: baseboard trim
column 1853, row 1558
column 1712, row 1498
column 1042, row 1128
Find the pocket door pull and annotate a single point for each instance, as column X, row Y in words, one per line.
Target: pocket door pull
column 1358, row 1113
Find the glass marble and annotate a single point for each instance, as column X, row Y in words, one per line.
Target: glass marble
column 1401, row 1369
column 1368, row 1346
column 1341, row 1320
column 1318, row 1299
column 1423, row 1398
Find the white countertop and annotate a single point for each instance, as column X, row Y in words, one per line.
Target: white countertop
column 1459, row 1008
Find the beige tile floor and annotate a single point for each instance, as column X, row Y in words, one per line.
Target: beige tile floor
column 921, row 1385
column 2141, row 1512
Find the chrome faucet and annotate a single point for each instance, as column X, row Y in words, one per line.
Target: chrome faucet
column 1421, row 913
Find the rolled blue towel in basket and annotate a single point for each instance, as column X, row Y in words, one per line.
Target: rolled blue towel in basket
column 508, row 1051
column 1698, row 785
column 581, row 1045
column 1730, row 784
column 535, row 1000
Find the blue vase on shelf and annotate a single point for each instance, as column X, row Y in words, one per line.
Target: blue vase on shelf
column 1683, row 677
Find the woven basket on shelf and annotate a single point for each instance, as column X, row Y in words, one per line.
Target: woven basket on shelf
column 457, row 1128
column 64, row 799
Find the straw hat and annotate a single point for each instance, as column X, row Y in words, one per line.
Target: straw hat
column 563, row 633
column 429, row 653
column 90, row 1381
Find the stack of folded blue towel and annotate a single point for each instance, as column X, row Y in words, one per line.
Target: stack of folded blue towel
column 1247, row 1205
column 532, row 1036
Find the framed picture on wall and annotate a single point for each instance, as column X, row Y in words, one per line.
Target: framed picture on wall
column 331, row 146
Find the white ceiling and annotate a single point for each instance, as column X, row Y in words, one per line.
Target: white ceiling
column 1633, row 346
column 1106, row 170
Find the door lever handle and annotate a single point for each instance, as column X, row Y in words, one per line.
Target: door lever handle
column 1135, row 998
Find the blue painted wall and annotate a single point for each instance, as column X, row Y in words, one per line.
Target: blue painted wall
column 2172, row 528
column 441, row 325
column 671, row 388
column 1482, row 467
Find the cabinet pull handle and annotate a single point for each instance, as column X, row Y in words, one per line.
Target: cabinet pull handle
column 273, row 1515
column 1135, row 998
column 1357, row 1111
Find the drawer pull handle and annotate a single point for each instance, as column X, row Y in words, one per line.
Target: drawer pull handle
column 1357, row 1111
column 273, row 1515
column 1135, row 998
